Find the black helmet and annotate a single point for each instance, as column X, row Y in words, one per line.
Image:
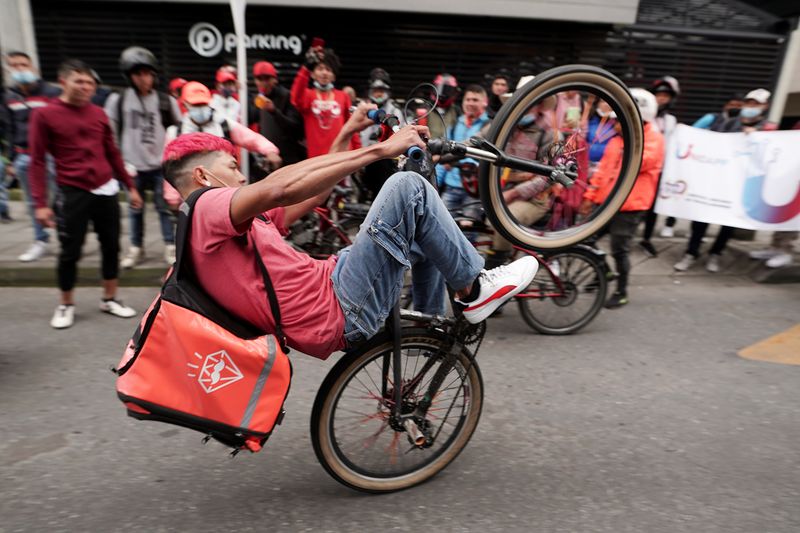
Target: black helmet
column 667, row 84
column 378, row 74
column 135, row 57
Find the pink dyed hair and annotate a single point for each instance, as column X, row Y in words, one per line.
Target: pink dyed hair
column 189, row 144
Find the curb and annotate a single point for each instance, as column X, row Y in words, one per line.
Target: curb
column 87, row 277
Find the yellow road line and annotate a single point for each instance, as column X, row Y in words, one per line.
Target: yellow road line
column 783, row 348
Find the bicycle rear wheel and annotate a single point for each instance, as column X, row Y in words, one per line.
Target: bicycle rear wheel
column 352, row 432
column 553, row 120
column 584, row 291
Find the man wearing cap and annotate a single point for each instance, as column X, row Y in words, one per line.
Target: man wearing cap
column 277, row 119
column 139, row 116
column 752, row 117
column 225, row 100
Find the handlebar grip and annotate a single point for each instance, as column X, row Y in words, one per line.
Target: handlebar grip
column 376, row 115
column 415, row 153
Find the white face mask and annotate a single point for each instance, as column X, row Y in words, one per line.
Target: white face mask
column 200, row 115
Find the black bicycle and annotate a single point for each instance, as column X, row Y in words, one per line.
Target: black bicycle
column 397, row 410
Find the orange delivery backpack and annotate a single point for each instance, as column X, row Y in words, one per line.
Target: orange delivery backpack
column 192, row 364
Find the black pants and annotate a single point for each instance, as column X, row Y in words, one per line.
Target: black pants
column 699, row 231
column 74, row 209
column 622, row 230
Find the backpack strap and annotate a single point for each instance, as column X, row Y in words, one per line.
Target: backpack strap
column 165, row 109
column 120, row 115
column 181, row 269
column 226, row 130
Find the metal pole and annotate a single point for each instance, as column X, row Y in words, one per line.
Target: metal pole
column 790, row 65
column 238, row 8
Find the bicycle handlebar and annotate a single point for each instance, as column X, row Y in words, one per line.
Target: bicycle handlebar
column 563, row 174
column 379, row 116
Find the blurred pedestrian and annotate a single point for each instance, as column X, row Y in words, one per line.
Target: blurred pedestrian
column 139, row 116
column 500, row 85
column 446, row 111
column 713, row 121
column 752, row 117
column 324, row 108
column 26, row 93
column 175, row 87
column 89, row 170
column 379, row 92
column 666, row 90
column 225, row 100
column 622, row 227
column 277, row 119
column 779, row 253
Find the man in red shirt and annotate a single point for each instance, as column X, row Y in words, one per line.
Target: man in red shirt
column 88, row 170
column 324, row 108
column 343, row 300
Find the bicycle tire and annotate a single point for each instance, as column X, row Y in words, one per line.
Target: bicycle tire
column 325, row 440
column 535, row 310
column 570, row 77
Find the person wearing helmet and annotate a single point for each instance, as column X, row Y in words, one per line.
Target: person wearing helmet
column 379, row 92
column 752, row 117
column 139, row 116
column 277, row 119
column 447, row 92
column 324, row 108
column 225, row 100
column 666, row 90
column 622, row 226
column 201, row 117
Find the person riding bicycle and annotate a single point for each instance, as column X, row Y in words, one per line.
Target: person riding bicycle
column 326, row 305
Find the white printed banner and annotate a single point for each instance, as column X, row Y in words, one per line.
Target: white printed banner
column 749, row 181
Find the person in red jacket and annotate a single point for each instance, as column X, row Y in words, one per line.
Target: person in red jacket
column 89, row 168
column 622, row 227
column 324, row 109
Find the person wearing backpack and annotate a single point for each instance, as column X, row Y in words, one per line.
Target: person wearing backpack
column 139, row 116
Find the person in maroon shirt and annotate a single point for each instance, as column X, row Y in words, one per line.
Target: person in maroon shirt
column 89, row 168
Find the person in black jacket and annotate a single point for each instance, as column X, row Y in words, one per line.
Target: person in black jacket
column 277, row 118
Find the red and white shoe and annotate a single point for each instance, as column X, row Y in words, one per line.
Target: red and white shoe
column 499, row 285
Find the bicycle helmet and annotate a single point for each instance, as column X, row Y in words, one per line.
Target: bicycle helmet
column 646, row 102
column 666, row 84
column 378, row 74
column 135, row 57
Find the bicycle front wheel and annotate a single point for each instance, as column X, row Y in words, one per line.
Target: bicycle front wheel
column 565, row 296
column 577, row 116
column 352, row 430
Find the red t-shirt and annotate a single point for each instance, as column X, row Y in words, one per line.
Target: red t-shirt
column 226, row 268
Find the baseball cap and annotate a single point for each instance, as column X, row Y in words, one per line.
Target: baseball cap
column 759, row 95
column 521, row 83
column 226, row 74
column 264, row 68
column 195, row 93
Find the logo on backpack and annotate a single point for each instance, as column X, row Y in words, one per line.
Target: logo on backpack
column 218, row 370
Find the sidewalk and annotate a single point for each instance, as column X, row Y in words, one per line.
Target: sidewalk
column 16, row 236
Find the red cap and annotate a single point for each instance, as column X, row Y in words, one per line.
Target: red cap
column 195, row 93
column 264, row 68
column 226, row 74
column 176, row 84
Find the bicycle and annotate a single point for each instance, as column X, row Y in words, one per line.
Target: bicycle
column 395, row 411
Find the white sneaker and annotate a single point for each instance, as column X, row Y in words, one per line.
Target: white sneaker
column 64, row 317
column 117, row 308
column 780, row 260
column 169, row 254
column 499, row 285
column 34, row 252
column 667, row 232
column 712, row 265
column 766, row 253
column 685, row 264
column 134, row 257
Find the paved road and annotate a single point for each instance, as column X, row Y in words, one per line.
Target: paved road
column 646, row 421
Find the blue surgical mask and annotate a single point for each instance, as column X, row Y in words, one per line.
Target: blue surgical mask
column 527, row 120
column 750, row 112
column 24, row 77
column 200, row 115
column 326, row 87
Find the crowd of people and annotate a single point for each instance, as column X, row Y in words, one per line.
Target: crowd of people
column 71, row 147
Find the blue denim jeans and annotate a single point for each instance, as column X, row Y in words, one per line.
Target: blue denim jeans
column 154, row 180
column 407, row 225
column 21, row 164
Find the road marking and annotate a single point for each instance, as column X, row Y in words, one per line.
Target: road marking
column 783, row 348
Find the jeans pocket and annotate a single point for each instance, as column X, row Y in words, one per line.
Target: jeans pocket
column 390, row 240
